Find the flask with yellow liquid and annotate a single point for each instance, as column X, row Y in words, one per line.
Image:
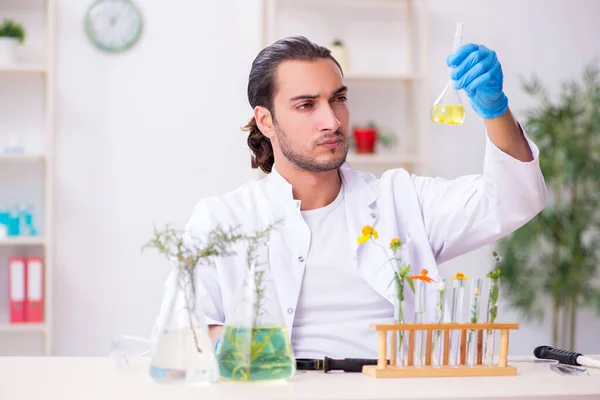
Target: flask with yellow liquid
column 448, row 108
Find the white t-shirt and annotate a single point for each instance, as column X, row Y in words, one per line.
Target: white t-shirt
column 343, row 324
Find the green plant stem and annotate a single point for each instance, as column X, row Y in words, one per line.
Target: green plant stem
column 190, row 305
column 260, row 293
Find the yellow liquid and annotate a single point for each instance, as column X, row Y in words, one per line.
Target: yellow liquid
column 450, row 114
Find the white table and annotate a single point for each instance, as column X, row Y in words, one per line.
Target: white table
column 97, row 378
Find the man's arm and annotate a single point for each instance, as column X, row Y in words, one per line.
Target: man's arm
column 467, row 213
column 505, row 132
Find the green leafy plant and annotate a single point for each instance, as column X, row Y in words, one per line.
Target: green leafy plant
column 553, row 259
column 189, row 253
column 255, row 241
column 11, row 29
column 260, row 350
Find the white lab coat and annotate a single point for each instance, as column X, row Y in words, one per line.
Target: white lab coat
column 436, row 219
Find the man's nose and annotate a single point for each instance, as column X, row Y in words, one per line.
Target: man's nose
column 328, row 120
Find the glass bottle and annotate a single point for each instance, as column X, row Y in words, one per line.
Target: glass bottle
column 183, row 351
column 492, row 312
column 448, row 108
column 340, row 53
column 255, row 345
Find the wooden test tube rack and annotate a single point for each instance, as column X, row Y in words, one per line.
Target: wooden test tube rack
column 385, row 370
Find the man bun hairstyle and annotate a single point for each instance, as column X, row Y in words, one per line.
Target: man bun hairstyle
column 262, row 87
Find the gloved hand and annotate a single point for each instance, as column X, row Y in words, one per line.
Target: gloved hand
column 476, row 69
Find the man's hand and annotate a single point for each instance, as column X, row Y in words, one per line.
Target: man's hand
column 476, row 69
column 214, row 332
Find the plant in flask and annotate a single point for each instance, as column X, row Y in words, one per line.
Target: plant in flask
column 440, row 305
column 420, row 309
column 458, row 289
column 255, row 344
column 183, row 350
column 474, row 307
column 493, row 279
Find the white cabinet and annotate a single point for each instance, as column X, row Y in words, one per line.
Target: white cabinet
column 27, row 177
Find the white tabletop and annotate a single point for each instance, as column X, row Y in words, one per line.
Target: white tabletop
column 97, row 378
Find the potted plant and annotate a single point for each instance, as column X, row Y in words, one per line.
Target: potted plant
column 365, row 138
column 11, row 35
column 553, row 260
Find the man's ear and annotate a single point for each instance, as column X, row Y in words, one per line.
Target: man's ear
column 264, row 121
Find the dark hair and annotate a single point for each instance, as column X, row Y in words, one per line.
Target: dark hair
column 262, row 85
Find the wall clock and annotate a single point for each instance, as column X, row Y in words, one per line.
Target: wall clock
column 113, row 25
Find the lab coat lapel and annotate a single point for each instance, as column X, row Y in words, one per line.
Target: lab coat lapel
column 289, row 244
column 363, row 208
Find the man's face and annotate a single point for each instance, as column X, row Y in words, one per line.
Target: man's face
column 310, row 126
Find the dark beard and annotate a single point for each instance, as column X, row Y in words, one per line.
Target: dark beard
column 308, row 163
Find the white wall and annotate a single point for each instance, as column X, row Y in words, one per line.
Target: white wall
column 554, row 39
column 141, row 135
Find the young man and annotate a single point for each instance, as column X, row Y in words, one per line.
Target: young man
column 331, row 288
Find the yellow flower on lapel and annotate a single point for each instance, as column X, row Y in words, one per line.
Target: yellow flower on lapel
column 395, row 244
column 367, row 233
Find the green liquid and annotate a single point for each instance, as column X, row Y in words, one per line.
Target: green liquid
column 267, row 355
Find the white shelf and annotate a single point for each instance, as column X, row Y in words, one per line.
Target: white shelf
column 21, row 157
column 395, row 64
column 344, row 3
column 22, row 327
column 39, row 18
column 382, row 159
column 23, row 69
column 22, row 241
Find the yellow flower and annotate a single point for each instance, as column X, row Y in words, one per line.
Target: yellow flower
column 460, row 276
column 395, row 244
column 367, row 232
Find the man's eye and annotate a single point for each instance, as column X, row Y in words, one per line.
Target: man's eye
column 341, row 99
column 304, row 106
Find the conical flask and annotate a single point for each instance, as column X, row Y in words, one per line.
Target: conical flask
column 448, row 108
column 184, row 350
column 255, row 345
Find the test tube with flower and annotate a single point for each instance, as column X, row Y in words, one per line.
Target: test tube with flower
column 440, row 302
column 493, row 281
column 401, row 277
column 475, row 294
column 420, row 308
column 458, row 290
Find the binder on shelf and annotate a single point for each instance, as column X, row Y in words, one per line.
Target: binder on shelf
column 16, row 289
column 34, row 303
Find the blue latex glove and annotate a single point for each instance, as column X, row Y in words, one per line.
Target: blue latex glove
column 476, row 69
